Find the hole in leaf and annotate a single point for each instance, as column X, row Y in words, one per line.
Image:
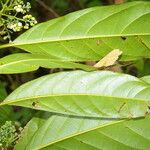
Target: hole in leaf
column 147, row 111
column 34, row 104
column 123, row 38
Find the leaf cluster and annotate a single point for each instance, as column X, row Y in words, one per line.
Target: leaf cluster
column 91, row 104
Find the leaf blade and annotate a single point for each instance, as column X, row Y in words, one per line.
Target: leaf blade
column 95, row 94
column 77, row 37
column 92, row 135
column 23, row 62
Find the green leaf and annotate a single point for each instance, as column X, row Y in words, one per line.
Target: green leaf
column 19, row 63
column 3, row 93
column 30, row 130
column 95, row 94
column 5, row 111
column 142, row 67
column 64, row 133
column 146, row 79
column 92, row 33
column 5, row 114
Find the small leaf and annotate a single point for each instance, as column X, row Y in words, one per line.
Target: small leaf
column 24, row 62
column 109, row 59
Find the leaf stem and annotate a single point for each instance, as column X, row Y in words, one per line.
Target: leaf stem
column 5, row 46
column 10, row 16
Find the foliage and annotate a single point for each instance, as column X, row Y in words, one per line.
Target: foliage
column 85, row 94
column 99, row 97
column 10, row 19
column 8, row 134
column 74, row 133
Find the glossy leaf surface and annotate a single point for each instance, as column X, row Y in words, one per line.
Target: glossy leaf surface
column 20, row 63
column 92, row 33
column 63, row 133
column 95, row 94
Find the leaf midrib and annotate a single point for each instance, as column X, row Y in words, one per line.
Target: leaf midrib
column 5, row 102
column 36, row 59
column 69, row 39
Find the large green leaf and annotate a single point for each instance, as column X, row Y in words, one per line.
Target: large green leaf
column 92, row 33
column 19, row 63
column 96, row 94
column 64, row 133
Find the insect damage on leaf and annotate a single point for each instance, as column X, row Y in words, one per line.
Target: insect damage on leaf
column 98, row 42
column 121, row 107
column 148, row 111
column 109, row 59
column 34, row 104
column 123, row 38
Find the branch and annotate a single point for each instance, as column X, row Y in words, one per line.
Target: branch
column 47, row 8
column 118, row 1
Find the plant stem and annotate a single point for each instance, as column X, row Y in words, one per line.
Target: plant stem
column 9, row 16
column 118, row 1
column 47, row 8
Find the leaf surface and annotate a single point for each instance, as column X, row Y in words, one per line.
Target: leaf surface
column 146, row 79
column 92, row 33
column 64, row 133
column 20, row 63
column 94, row 94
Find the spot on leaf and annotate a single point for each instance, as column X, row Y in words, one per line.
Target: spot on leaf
column 98, row 42
column 34, row 104
column 121, row 107
column 148, row 111
column 123, row 38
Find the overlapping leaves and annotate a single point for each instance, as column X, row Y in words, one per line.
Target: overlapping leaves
column 101, row 104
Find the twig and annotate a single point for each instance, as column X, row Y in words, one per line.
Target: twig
column 118, row 1
column 47, row 8
column 10, row 79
